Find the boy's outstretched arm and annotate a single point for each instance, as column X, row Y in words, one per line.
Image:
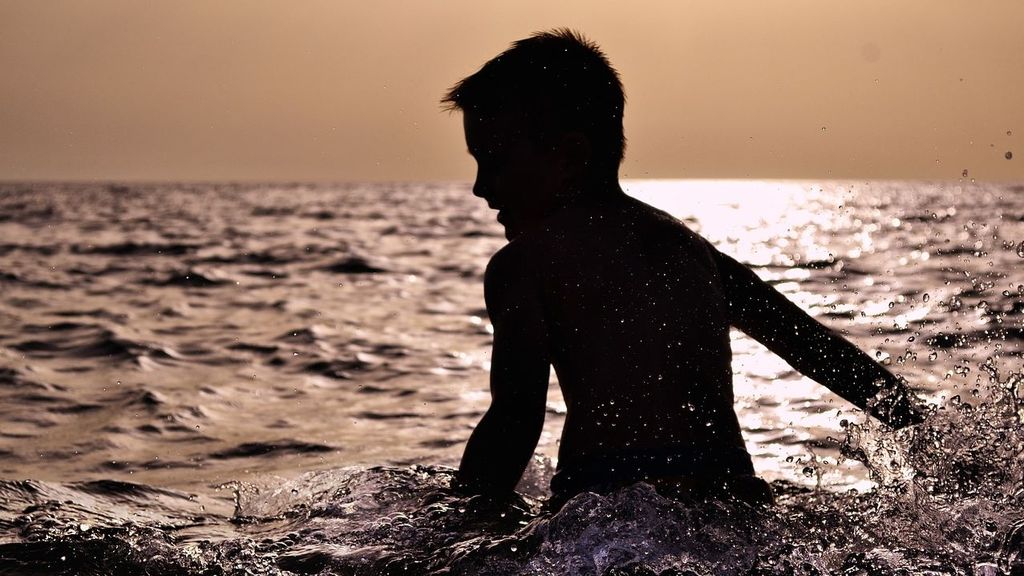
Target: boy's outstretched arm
column 502, row 444
column 813, row 349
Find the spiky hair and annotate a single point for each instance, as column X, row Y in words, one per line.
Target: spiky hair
column 560, row 81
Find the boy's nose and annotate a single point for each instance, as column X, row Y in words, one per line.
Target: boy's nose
column 479, row 190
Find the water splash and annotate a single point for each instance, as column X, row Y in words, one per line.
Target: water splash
column 949, row 500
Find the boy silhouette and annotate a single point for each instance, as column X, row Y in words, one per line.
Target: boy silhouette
column 630, row 306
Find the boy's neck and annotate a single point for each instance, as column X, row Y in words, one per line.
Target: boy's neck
column 596, row 189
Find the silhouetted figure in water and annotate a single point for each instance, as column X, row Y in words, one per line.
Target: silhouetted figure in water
column 630, row 306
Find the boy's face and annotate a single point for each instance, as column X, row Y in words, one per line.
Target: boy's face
column 518, row 177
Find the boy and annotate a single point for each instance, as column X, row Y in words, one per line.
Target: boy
column 631, row 307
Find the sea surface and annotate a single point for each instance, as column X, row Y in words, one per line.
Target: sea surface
column 279, row 379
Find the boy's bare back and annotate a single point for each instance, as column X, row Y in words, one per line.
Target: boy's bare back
column 631, row 308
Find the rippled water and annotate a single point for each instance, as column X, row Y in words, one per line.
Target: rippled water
column 217, row 379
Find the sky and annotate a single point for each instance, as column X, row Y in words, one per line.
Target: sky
column 340, row 90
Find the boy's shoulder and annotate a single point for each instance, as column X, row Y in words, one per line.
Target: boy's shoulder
column 511, row 268
column 579, row 236
column 509, row 258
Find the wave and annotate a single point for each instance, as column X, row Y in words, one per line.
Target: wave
column 270, row 449
column 948, row 501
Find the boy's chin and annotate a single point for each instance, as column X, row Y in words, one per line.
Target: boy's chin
column 511, row 230
column 515, row 228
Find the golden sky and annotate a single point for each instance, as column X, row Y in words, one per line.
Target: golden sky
column 344, row 90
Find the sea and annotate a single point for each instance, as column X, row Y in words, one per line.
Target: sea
column 279, row 378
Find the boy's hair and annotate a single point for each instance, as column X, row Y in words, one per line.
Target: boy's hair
column 560, row 82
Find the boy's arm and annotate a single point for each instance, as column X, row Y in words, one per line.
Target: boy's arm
column 814, row 350
column 502, row 444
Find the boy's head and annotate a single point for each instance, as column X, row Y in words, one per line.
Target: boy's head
column 546, row 111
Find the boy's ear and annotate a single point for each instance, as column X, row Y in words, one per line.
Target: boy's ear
column 576, row 152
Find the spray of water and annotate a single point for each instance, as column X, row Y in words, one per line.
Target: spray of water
column 949, row 500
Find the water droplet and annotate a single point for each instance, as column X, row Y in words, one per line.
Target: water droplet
column 964, row 173
column 1008, row 155
column 808, row 471
column 1020, row 249
column 926, row 297
column 986, row 569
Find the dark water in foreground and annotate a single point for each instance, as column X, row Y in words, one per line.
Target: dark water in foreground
column 278, row 379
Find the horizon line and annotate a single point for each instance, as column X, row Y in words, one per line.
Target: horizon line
column 330, row 182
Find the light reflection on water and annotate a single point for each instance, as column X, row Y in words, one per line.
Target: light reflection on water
column 880, row 262
column 187, row 336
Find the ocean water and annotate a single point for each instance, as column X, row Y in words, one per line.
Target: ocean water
column 279, row 379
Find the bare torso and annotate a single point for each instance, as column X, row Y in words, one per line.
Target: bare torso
column 633, row 310
column 639, row 333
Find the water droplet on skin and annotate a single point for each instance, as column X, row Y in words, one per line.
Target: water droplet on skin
column 1020, row 249
column 926, row 297
column 1008, row 155
column 808, row 471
